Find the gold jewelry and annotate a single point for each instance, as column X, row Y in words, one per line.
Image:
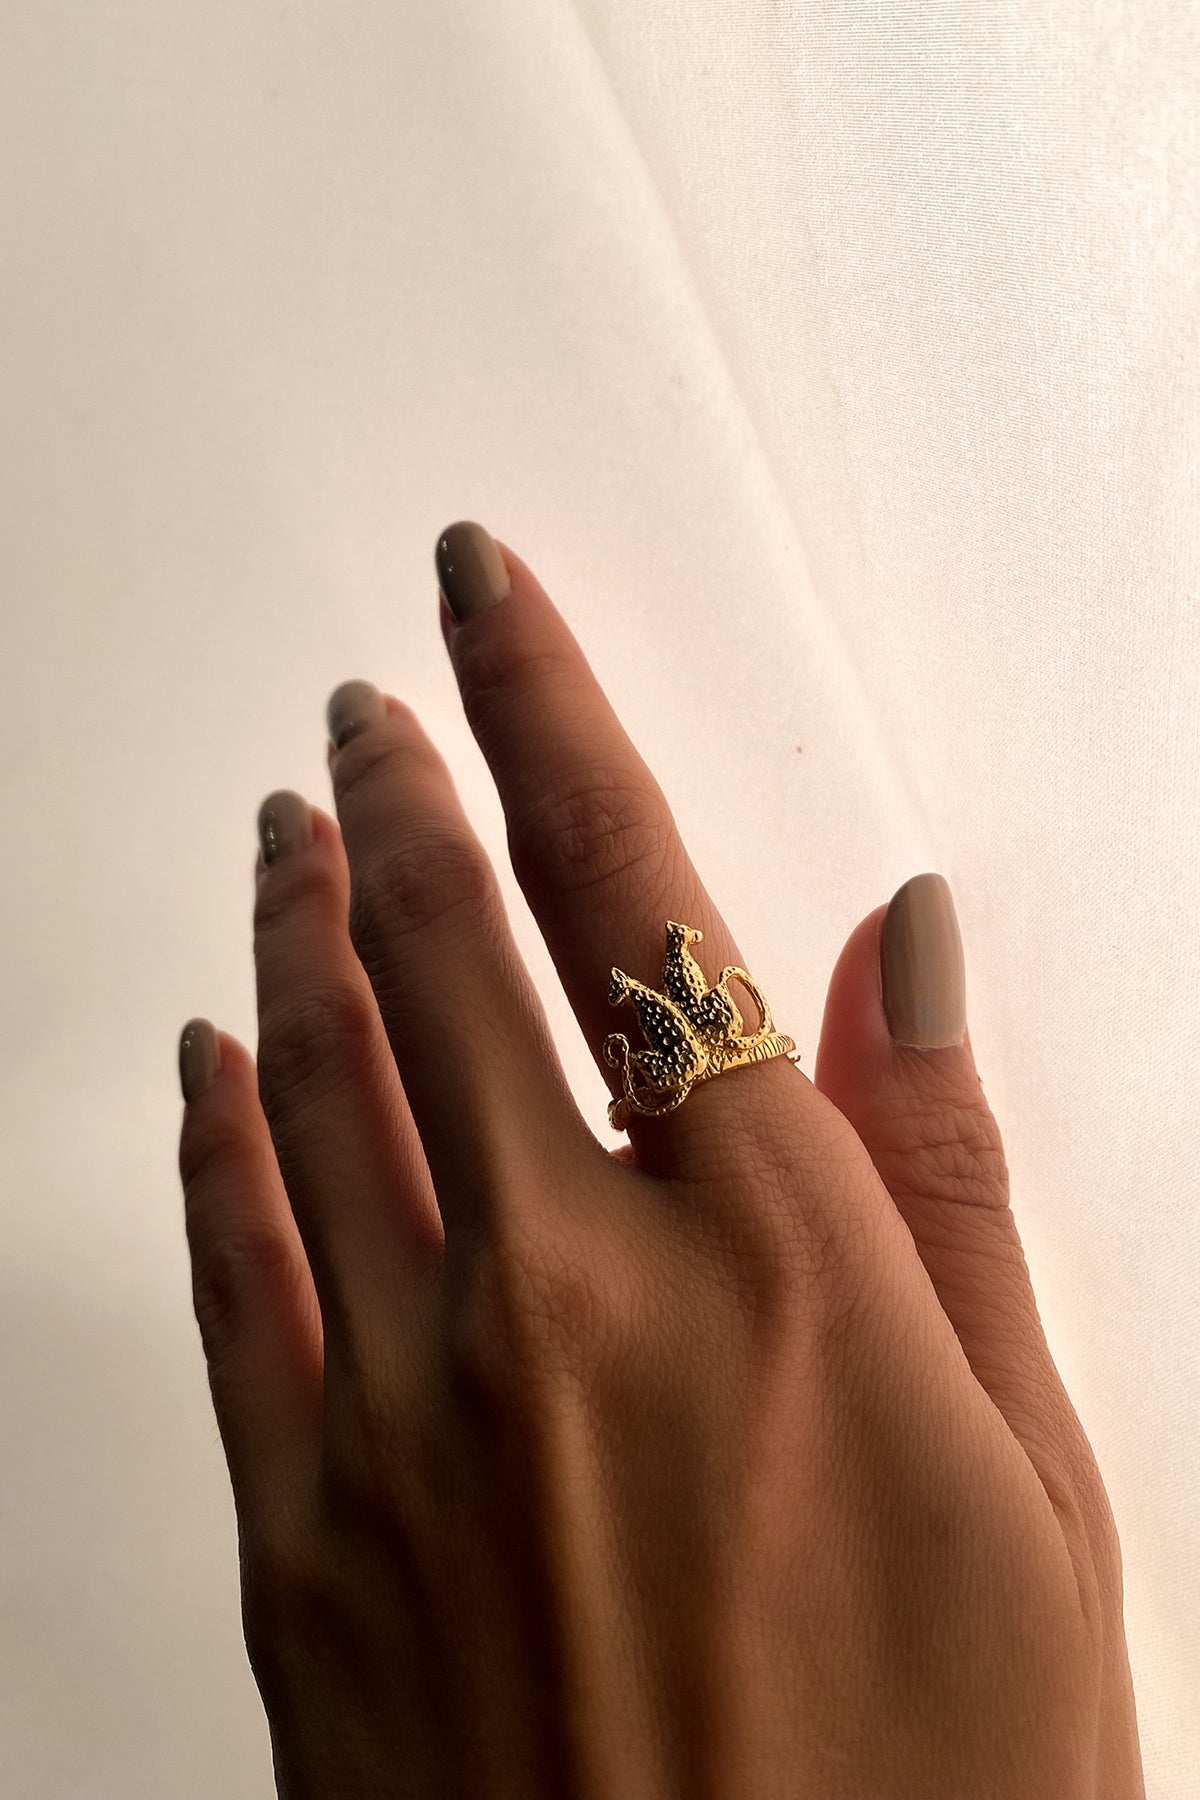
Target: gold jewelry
column 694, row 1032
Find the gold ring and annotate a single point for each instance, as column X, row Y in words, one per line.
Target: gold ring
column 693, row 1032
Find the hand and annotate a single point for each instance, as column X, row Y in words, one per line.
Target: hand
column 733, row 1464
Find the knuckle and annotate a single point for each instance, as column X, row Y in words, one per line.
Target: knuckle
column 281, row 1576
column 480, row 1335
column 953, row 1153
column 415, row 881
column 595, row 830
column 369, row 1463
column 366, row 758
column 526, row 1314
column 808, row 1229
column 230, row 1268
column 375, row 1430
column 309, row 1037
column 494, row 671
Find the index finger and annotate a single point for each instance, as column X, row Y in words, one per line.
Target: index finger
column 596, row 850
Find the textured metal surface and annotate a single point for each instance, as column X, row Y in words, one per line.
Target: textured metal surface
column 693, row 1032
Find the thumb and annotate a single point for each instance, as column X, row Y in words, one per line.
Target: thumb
column 895, row 1058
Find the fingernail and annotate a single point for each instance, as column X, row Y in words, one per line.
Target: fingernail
column 284, row 824
column 351, row 708
column 470, row 569
column 921, row 966
column 199, row 1057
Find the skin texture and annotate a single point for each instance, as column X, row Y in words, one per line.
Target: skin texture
column 730, row 1463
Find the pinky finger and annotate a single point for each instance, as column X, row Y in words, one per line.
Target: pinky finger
column 252, row 1290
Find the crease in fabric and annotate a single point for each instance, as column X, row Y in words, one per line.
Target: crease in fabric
column 900, row 795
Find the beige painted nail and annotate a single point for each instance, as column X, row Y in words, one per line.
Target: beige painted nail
column 921, row 966
column 351, row 708
column 284, row 824
column 470, row 569
column 199, row 1057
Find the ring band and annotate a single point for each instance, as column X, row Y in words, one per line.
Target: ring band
column 693, row 1032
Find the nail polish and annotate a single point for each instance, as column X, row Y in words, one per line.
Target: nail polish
column 921, row 966
column 470, row 569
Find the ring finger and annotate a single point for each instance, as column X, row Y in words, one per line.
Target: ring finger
column 467, row 1030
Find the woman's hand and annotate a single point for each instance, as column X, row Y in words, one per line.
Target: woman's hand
column 732, row 1466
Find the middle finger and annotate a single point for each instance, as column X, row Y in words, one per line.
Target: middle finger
column 598, row 855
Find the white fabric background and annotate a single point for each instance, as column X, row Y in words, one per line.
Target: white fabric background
column 841, row 357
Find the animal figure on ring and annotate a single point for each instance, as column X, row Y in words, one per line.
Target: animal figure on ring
column 690, row 1028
